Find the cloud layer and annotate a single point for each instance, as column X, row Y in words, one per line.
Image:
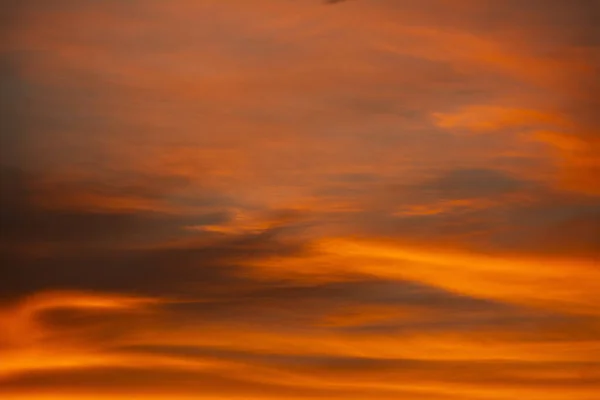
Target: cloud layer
column 368, row 199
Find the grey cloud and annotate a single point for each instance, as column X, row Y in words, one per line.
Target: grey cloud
column 26, row 219
column 472, row 183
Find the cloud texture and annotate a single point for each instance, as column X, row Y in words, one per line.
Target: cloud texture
column 284, row 199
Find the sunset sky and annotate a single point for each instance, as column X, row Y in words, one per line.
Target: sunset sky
column 300, row 199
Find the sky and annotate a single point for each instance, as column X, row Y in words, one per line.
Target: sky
column 300, row 199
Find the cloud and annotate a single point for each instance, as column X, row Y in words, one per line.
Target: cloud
column 281, row 199
column 473, row 183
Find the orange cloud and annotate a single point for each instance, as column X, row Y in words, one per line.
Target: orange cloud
column 563, row 284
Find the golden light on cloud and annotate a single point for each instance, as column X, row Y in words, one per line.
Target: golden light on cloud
column 534, row 281
column 285, row 199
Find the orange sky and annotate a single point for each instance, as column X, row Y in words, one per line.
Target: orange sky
column 289, row 199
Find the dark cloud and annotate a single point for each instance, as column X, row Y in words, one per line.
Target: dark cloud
column 553, row 223
column 209, row 274
column 168, row 272
column 209, row 269
column 485, row 210
column 286, row 304
column 45, row 246
column 27, row 218
column 219, row 293
column 13, row 109
column 472, row 183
